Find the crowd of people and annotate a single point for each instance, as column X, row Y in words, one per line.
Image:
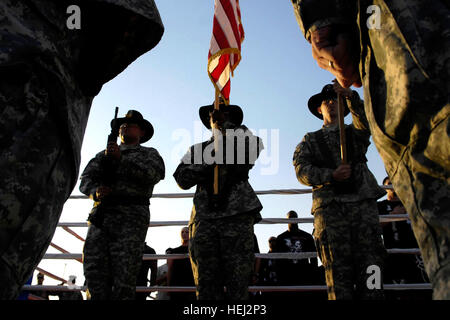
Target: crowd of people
column 46, row 90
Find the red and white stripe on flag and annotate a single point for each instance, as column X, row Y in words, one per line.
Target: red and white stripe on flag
column 225, row 48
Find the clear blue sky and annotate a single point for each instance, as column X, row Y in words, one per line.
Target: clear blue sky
column 272, row 84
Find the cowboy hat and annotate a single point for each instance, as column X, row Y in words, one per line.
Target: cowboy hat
column 236, row 114
column 316, row 100
column 136, row 117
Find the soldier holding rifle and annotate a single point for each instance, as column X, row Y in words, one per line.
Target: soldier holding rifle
column 120, row 180
column 346, row 227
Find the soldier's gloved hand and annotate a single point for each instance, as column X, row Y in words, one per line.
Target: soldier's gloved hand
column 337, row 54
column 112, row 150
column 344, row 92
column 102, row 192
column 343, row 172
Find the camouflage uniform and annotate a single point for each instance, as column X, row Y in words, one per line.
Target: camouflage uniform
column 346, row 226
column 404, row 68
column 221, row 231
column 48, row 78
column 113, row 250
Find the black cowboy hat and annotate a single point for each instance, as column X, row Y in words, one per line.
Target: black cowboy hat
column 316, row 100
column 236, row 114
column 136, row 117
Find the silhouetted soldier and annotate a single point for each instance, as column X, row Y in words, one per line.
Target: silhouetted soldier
column 49, row 75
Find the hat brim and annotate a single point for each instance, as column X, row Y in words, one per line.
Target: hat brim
column 316, row 101
column 235, row 112
column 143, row 124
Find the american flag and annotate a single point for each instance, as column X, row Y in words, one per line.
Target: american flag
column 225, row 48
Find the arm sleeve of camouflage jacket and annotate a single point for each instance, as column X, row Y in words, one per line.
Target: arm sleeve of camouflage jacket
column 306, row 170
column 315, row 14
column 149, row 169
column 188, row 173
column 91, row 176
column 360, row 123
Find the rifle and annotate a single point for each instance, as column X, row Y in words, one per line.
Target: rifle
column 96, row 215
column 109, row 165
column 112, row 137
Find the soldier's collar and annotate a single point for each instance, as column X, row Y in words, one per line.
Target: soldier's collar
column 331, row 127
column 124, row 147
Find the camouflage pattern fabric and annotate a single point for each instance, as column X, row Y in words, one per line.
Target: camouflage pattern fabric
column 311, row 165
column 112, row 253
column 348, row 241
column 340, row 217
column 48, row 78
column 236, row 194
column 221, row 228
column 33, row 196
column 221, row 253
column 405, row 69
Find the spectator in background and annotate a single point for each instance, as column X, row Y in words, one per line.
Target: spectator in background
column 268, row 273
column 142, row 277
column 161, row 280
column 401, row 268
column 292, row 271
column 40, row 282
column 70, row 295
column 179, row 272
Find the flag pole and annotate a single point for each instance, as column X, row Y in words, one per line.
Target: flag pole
column 342, row 129
column 216, row 145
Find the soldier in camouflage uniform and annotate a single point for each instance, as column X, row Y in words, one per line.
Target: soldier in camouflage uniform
column 404, row 65
column 119, row 221
column 49, row 76
column 346, row 226
column 221, row 227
